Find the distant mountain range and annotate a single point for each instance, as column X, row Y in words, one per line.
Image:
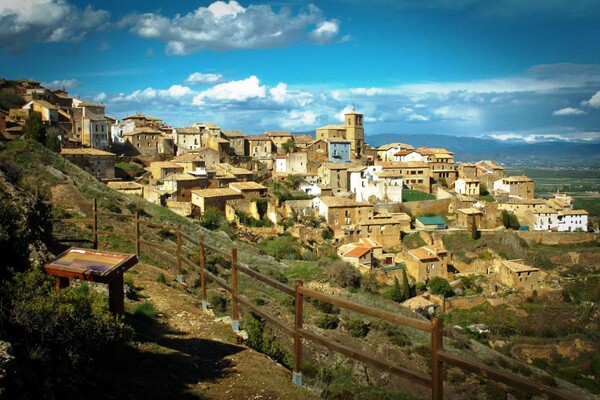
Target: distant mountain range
column 467, row 148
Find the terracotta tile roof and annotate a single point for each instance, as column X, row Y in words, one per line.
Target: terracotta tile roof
column 573, row 212
column 187, row 157
column 86, row 151
column 469, row 211
column 517, row 178
column 278, row 134
column 358, row 251
column 389, row 146
column 189, row 130
column 333, row 201
column 241, row 186
column 216, row 192
column 515, row 266
column 231, row 133
column 423, row 254
column 338, row 127
column 337, row 165
column 165, row 164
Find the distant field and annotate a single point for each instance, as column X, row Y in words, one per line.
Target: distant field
column 573, row 182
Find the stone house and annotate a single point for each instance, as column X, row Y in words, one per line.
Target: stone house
column 161, row 169
column 387, row 152
column 294, row 163
column 519, row 276
column 466, row 216
column 334, row 176
column 180, row 185
column 279, row 138
column 212, row 198
column 144, row 140
column 210, row 156
column 340, row 214
column 467, row 186
column 98, row 163
column 237, row 142
column 187, row 139
column 572, row 220
column 515, row 186
column 426, row 262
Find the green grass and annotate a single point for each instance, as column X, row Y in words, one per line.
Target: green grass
column 303, row 270
column 416, row 195
column 145, row 309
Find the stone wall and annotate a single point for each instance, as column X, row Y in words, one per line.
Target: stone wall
column 557, row 238
column 415, row 208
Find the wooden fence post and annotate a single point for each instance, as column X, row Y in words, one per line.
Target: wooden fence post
column 235, row 323
column 297, row 372
column 437, row 367
column 179, row 270
column 95, row 225
column 202, row 262
column 136, row 221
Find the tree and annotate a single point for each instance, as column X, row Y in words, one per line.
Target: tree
column 290, row 146
column 438, row 285
column 405, row 285
column 212, row 218
column 34, row 128
column 483, row 190
column 397, row 293
column 510, row 220
column 53, row 140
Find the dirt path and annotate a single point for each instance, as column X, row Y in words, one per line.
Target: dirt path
column 205, row 356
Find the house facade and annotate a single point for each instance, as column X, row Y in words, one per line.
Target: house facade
column 98, row 163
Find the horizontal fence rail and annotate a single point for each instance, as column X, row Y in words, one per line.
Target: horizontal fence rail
column 439, row 357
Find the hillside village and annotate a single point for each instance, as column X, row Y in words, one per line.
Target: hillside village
column 331, row 186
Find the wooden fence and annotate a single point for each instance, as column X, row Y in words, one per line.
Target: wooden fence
column 439, row 356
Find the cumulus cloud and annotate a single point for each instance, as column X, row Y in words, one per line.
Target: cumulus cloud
column 100, row 97
column 66, row 84
column 223, row 26
column 171, row 95
column 246, row 89
column 198, row 78
column 594, row 101
column 568, row 111
column 28, row 21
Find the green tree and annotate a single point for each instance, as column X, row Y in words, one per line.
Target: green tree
column 212, row 218
column 9, row 99
column 405, row 285
column 510, row 220
column 483, row 190
column 438, row 285
column 34, row 128
column 397, row 293
column 290, row 146
column 53, row 140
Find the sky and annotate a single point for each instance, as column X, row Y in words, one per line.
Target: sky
column 502, row 68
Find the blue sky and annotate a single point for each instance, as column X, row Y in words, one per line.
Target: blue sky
column 503, row 68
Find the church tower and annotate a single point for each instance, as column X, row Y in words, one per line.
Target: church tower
column 355, row 133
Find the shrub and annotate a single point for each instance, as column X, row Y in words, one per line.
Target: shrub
column 326, row 234
column 218, row 302
column 357, row 328
column 74, row 323
column 327, row 321
column 146, row 309
column 343, row 274
column 161, row 278
column 438, row 285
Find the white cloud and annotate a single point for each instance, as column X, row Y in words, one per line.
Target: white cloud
column 325, row 32
column 594, row 101
column 279, row 92
column 222, row 26
column 408, row 114
column 28, row 21
column 368, row 91
column 173, row 94
column 568, row 111
column 67, row 84
column 198, row 78
column 297, row 119
column 100, row 97
column 243, row 90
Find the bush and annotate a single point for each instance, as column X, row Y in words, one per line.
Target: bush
column 357, row 328
column 326, row 234
column 327, row 321
column 161, row 278
column 73, row 323
column 146, row 309
column 438, row 285
column 343, row 274
column 218, row 302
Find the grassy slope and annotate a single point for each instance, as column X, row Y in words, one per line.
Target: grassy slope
column 47, row 170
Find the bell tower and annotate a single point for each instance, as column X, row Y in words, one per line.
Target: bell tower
column 355, row 133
